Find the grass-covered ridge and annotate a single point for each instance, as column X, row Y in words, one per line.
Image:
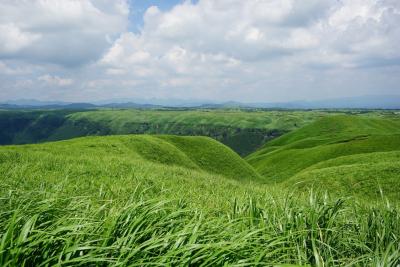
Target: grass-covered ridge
column 338, row 153
column 201, row 154
column 127, row 162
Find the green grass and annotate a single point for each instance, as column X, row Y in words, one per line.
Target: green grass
column 338, row 154
column 163, row 200
column 167, row 201
column 145, row 161
column 213, row 157
column 39, row 231
column 357, row 176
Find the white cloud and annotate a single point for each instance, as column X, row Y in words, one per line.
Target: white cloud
column 206, row 44
column 13, row 39
column 261, row 30
column 55, row 80
column 64, row 32
column 255, row 50
column 7, row 69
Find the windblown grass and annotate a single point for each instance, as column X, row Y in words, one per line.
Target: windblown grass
column 36, row 230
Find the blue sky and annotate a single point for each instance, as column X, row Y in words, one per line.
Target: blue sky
column 138, row 7
column 221, row 50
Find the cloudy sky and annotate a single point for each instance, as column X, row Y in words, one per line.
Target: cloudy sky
column 250, row 51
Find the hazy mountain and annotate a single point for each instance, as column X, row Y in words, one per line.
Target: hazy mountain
column 34, row 102
column 129, row 105
column 369, row 102
column 362, row 102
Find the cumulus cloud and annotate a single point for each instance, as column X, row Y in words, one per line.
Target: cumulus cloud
column 7, row 69
column 257, row 46
column 256, row 50
column 259, row 30
column 64, row 32
column 13, row 39
column 55, row 80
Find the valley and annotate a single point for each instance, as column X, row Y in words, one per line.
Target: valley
column 244, row 131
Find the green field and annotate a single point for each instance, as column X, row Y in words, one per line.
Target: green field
column 323, row 195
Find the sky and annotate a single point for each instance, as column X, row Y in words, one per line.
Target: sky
column 220, row 50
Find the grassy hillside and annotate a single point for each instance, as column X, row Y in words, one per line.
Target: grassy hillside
column 243, row 131
column 154, row 161
column 19, row 127
column 336, row 153
column 200, row 154
column 367, row 175
column 167, row 201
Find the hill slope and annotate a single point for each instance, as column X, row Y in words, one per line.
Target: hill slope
column 180, row 165
column 197, row 153
column 243, row 131
column 367, row 175
column 338, row 153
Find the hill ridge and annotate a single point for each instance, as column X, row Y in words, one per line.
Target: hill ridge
column 165, row 150
column 300, row 156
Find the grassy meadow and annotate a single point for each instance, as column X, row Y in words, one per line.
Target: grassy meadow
column 323, row 195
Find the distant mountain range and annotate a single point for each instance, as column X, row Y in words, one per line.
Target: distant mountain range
column 35, row 104
column 45, row 105
column 362, row 102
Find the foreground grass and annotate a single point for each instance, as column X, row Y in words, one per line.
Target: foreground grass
column 37, row 230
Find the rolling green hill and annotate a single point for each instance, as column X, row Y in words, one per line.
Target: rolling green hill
column 201, row 154
column 139, row 200
column 338, row 153
column 243, row 131
column 367, row 175
column 139, row 160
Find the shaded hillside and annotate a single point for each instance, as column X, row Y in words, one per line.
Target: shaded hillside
column 21, row 127
column 212, row 156
column 337, row 153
